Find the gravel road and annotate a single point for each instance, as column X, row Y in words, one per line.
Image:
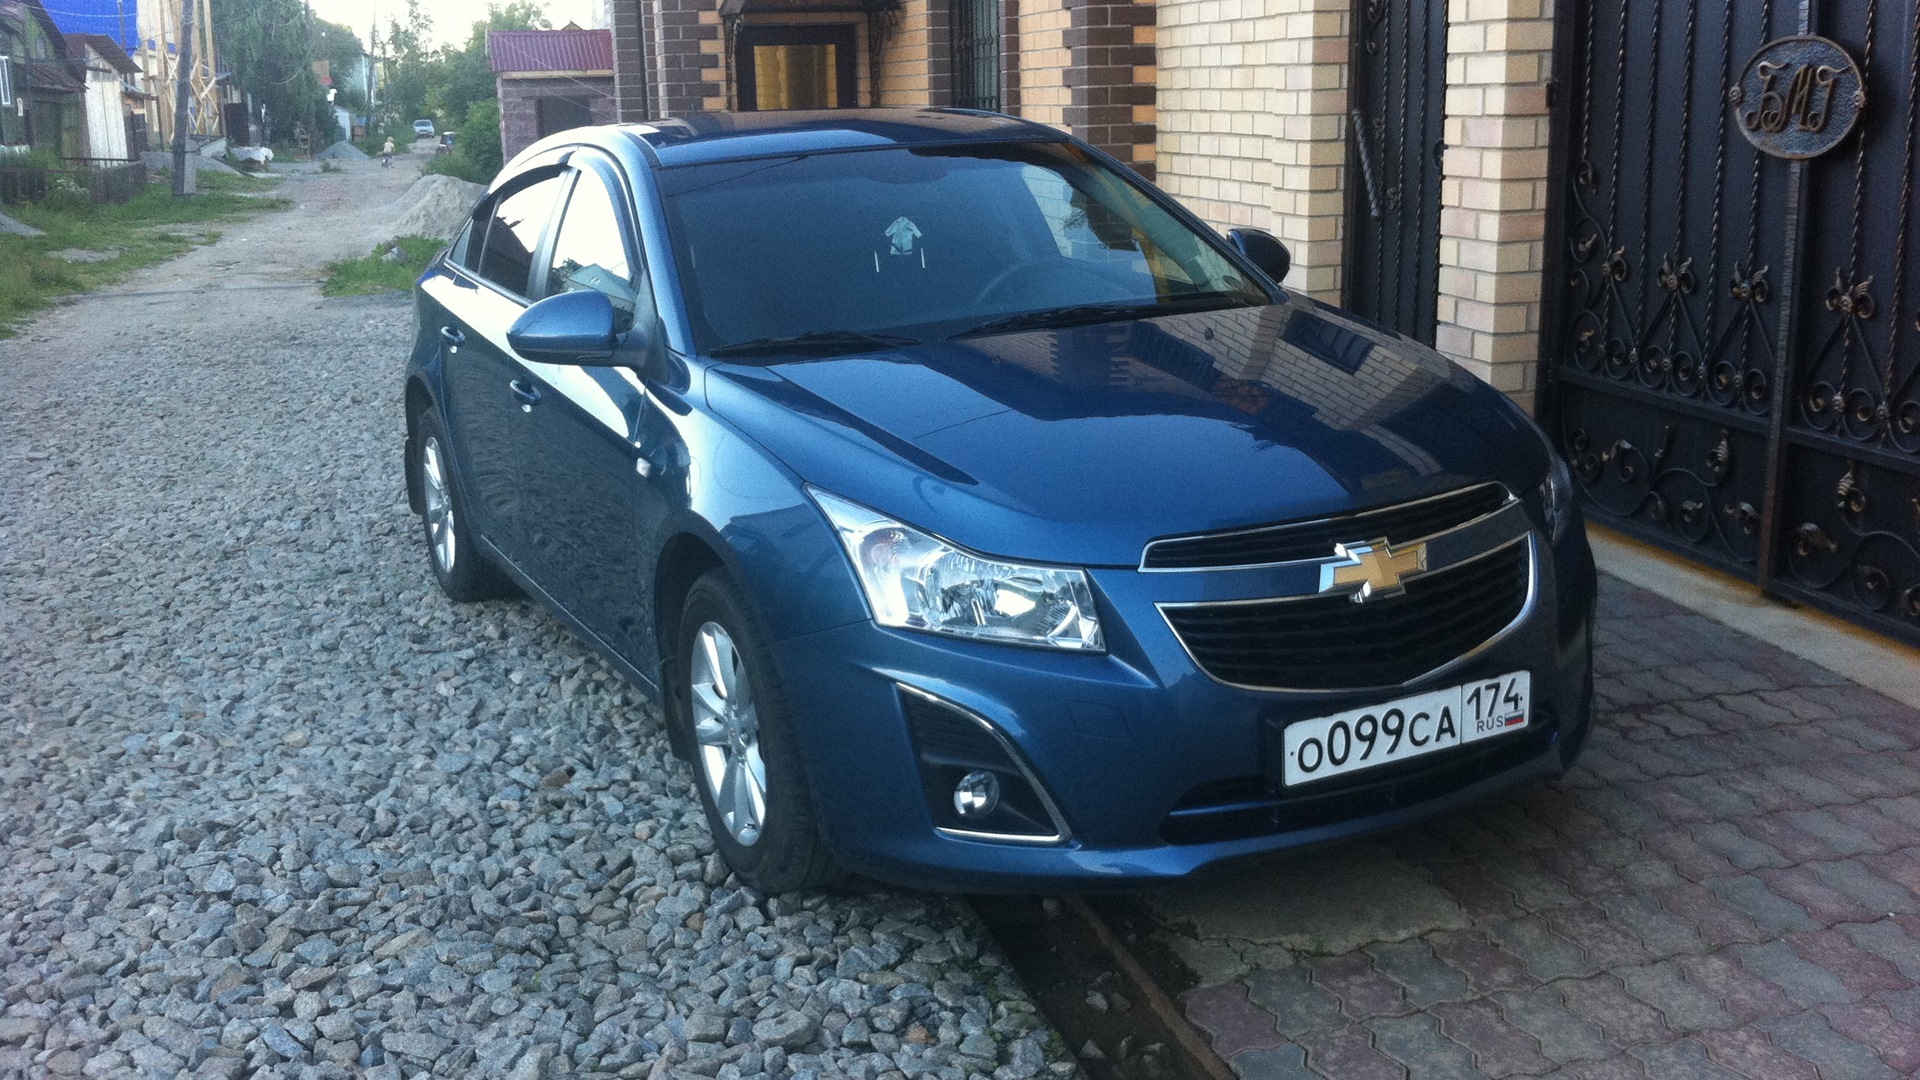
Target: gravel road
column 270, row 806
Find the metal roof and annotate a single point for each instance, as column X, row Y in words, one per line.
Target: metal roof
column 107, row 48
column 526, row 52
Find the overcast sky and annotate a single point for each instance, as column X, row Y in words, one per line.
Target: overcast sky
column 451, row 18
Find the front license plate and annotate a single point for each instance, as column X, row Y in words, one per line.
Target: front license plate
column 1407, row 728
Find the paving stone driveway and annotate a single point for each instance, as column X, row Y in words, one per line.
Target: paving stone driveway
column 1725, row 887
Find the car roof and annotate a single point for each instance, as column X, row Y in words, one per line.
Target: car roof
column 732, row 136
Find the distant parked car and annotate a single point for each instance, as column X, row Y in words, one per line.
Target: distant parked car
column 983, row 519
column 445, row 146
column 423, row 129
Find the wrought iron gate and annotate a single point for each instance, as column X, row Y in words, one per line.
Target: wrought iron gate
column 1733, row 346
column 1392, row 262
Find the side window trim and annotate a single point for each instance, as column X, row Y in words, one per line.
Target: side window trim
column 586, row 165
column 484, row 214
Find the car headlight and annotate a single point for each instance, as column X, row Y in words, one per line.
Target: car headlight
column 919, row 582
column 1556, row 494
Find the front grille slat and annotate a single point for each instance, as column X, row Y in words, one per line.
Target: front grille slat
column 1331, row 643
column 1316, row 539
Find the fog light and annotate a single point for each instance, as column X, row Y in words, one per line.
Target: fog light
column 977, row 794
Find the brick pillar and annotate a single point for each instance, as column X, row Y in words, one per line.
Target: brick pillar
column 1309, row 58
column 1493, row 194
column 1111, row 78
column 631, row 97
column 1251, row 122
column 685, row 61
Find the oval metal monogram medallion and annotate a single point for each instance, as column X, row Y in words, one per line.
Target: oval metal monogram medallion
column 1798, row 97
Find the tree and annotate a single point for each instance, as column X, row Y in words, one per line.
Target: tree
column 408, row 64
column 463, row 75
column 480, row 136
column 268, row 45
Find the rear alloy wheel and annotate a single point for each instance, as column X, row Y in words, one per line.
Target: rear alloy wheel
column 463, row 572
column 746, row 761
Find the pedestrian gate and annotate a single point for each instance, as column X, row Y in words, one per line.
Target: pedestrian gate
column 1392, row 263
column 1732, row 342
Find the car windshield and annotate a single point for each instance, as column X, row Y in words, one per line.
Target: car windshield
column 925, row 243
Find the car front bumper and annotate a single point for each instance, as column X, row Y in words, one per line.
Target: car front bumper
column 1155, row 769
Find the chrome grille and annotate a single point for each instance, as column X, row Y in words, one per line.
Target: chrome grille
column 1315, row 539
column 1328, row 642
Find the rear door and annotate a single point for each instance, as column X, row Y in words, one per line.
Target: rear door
column 488, row 393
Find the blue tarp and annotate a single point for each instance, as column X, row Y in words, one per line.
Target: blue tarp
column 117, row 19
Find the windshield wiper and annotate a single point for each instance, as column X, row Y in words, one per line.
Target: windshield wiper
column 1082, row 314
column 815, row 343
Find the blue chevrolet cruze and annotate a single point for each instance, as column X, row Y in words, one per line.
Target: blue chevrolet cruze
column 981, row 519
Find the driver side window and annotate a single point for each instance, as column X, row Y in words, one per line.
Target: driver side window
column 590, row 251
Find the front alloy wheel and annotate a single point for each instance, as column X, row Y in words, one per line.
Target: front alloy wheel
column 727, row 728
column 728, row 706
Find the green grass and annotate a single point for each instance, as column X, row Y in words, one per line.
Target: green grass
column 31, row 278
column 373, row 274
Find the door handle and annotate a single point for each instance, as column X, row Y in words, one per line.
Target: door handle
column 452, row 337
column 527, row 394
column 1358, row 127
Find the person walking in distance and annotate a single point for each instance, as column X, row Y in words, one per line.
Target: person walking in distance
column 386, row 154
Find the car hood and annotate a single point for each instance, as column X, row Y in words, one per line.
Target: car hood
column 1079, row 445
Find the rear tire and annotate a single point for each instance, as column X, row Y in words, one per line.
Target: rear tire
column 458, row 565
column 728, row 704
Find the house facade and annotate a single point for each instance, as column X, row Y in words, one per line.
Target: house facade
column 1682, row 234
column 42, row 93
column 550, row 80
column 116, row 106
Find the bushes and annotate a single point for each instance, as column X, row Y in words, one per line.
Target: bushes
column 457, row 165
column 476, row 154
column 65, row 194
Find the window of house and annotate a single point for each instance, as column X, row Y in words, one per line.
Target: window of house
column 976, row 54
column 513, row 234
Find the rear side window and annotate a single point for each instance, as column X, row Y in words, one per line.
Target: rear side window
column 513, row 234
column 590, row 251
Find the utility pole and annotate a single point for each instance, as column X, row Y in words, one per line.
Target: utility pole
column 183, row 183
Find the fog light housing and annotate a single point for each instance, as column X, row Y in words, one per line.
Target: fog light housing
column 977, row 794
column 977, row 786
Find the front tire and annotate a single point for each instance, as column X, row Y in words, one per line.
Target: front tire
column 729, row 706
column 463, row 573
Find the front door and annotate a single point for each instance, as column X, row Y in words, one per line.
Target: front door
column 594, row 507
column 796, row 67
column 1733, row 355
column 1392, row 265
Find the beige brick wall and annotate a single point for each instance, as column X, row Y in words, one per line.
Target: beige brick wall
column 1043, row 59
column 1252, row 107
column 1493, row 196
column 906, row 56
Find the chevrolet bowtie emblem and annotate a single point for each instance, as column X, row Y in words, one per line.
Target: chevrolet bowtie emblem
column 1376, row 566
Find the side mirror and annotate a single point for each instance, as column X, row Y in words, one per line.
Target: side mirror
column 568, row 328
column 1264, row 250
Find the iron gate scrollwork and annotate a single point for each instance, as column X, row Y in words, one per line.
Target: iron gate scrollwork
column 1733, row 354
